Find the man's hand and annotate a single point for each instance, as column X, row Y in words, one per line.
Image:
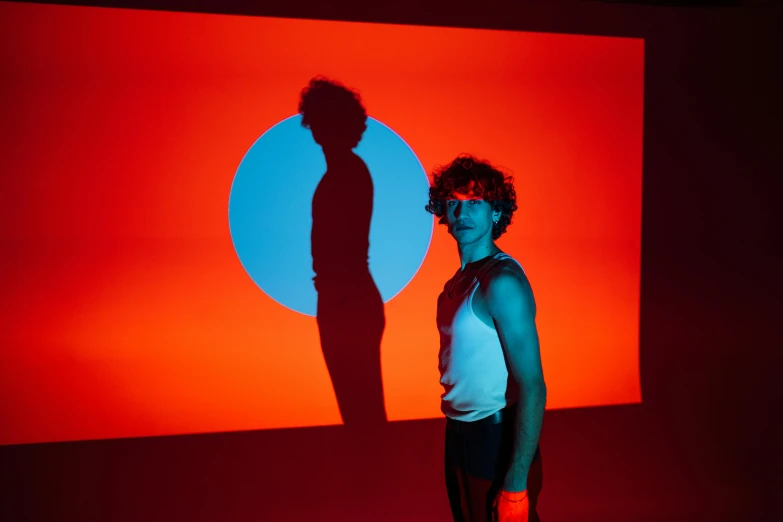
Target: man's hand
column 511, row 507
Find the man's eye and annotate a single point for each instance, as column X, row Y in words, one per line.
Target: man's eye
column 475, row 201
column 451, row 202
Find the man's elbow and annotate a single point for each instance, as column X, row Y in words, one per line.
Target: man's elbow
column 534, row 389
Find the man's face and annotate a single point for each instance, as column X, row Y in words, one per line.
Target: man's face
column 469, row 217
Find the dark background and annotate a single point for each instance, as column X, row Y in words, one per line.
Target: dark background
column 704, row 443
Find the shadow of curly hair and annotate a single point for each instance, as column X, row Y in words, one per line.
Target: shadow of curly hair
column 333, row 111
column 465, row 174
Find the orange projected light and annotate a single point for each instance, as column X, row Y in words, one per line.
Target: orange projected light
column 125, row 308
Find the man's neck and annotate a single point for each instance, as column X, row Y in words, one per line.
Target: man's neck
column 475, row 252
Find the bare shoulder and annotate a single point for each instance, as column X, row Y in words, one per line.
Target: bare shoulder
column 506, row 285
column 506, row 274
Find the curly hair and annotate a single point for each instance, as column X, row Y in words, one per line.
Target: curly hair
column 466, row 174
column 329, row 106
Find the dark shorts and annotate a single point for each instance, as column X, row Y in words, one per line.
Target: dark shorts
column 482, row 449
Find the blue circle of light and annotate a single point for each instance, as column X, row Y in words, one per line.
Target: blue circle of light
column 270, row 216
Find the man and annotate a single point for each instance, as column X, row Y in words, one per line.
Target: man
column 490, row 364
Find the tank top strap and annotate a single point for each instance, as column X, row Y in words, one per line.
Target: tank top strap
column 500, row 256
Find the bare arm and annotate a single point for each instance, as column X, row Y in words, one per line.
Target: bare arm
column 511, row 305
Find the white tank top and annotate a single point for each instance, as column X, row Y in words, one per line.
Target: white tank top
column 472, row 364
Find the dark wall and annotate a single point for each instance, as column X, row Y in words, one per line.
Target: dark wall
column 710, row 281
column 703, row 445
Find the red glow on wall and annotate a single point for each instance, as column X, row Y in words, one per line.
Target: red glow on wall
column 125, row 311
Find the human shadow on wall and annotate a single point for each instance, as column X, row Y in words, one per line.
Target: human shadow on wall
column 350, row 313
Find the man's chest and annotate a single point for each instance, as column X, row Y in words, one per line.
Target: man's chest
column 465, row 304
